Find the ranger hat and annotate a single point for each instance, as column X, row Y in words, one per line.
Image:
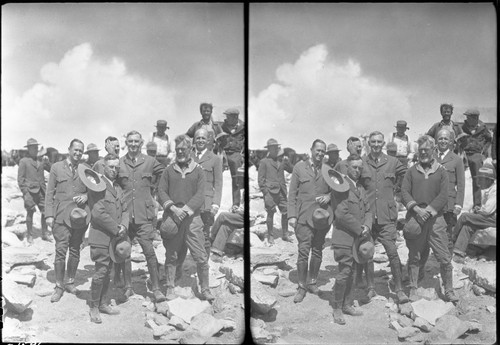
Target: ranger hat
column 413, row 227
column 332, row 147
column 162, row 123
column 119, row 249
column 334, row 179
column 319, row 217
column 92, row 147
column 91, row 179
column 169, row 228
column 272, row 142
column 460, row 136
column 363, row 249
column 231, row 111
column 472, row 112
column 31, row 141
column 76, row 217
column 401, row 123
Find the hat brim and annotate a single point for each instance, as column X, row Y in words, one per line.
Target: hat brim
column 327, row 173
column 67, row 215
column 277, row 144
column 402, row 127
column 92, row 150
column 83, row 171
column 310, row 212
column 112, row 246
column 355, row 249
column 35, row 144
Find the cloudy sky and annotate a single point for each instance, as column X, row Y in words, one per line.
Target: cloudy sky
column 93, row 70
column 333, row 70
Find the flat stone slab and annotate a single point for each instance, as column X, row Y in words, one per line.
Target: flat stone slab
column 262, row 300
column 15, row 295
column 448, row 328
column 482, row 274
column 234, row 274
column 267, row 256
column 21, row 256
column 186, row 309
column 485, row 237
column 431, row 310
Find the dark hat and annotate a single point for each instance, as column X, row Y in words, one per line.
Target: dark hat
column 332, row 147
column 392, row 146
column 334, row 179
column 162, row 123
column 319, row 217
column 151, row 146
column 231, row 111
column 221, row 135
column 472, row 112
column 460, row 136
column 401, row 123
column 272, row 142
column 76, row 217
column 92, row 147
column 169, row 228
column 486, row 171
column 31, row 141
column 413, row 227
column 119, row 249
column 363, row 249
column 91, row 179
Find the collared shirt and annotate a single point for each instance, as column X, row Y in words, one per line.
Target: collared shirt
column 433, row 166
column 162, row 143
column 316, row 169
column 200, row 154
column 441, row 155
column 489, row 199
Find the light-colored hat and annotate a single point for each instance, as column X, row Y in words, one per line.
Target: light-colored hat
column 32, row 141
column 92, row 147
column 334, row 179
column 272, row 142
column 90, row 178
column 472, row 112
column 332, row 147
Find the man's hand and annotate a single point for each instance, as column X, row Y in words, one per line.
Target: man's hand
column 475, row 209
column 178, row 213
column 365, row 232
column 422, row 214
column 214, row 209
column 323, row 199
column 50, row 222
column 122, row 233
column 80, row 199
column 293, row 222
column 457, row 209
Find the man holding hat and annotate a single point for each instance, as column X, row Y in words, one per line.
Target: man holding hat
column 405, row 150
column 234, row 148
column 206, row 123
column 182, row 194
column 111, row 145
column 478, row 141
column 310, row 215
column 67, row 213
column 108, row 229
column 31, row 181
column 332, row 151
column 446, row 123
column 353, row 221
column 271, row 179
column 164, row 153
column 479, row 217
column 425, row 194
column 93, row 154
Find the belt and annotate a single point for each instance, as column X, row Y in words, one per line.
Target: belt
column 470, row 152
column 161, row 155
column 402, row 156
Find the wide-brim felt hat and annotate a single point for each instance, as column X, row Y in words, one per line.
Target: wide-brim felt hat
column 169, row 227
column 363, row 249
column 272, row 142
column 42, row 151
column 76, row 217
column 91, row 179
column 162, row 123
column 402, row 123
column 119, row 249
column 31, row 141
column 319, row 217
column 486, row 171
column 332, row 147
column 334, row 179
column 92, row 147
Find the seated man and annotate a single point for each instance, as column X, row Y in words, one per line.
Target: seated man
column 224, row 225
column 480, row 217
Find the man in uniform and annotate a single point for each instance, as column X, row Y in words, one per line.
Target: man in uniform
column 31, row 181
column 67, row 213
column 352, row 220
column 136, row 176
column 109, row 221
column 381, row 176
column 271, row 179
column 93, row 154
column 354, row 145
column 164, row 153
column 405, row 150
column 478, row 141
column 309, row 193
column 234, row 148
column 425, row 194
column 111, row 145
column 332, row 151
column 207, row 124
column 182, row 194
column 446, row 123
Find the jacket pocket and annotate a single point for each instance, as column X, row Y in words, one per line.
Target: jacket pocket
column 146, row 179
column 389, row 179
column 150, row 209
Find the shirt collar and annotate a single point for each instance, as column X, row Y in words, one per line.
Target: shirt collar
column 444, row 153
column 202, row 152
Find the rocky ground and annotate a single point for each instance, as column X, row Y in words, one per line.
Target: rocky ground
column 277, row 319
column 28, row 282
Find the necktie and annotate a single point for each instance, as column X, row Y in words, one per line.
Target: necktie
column 198, row 155
column 73, row 169
column 441, row 155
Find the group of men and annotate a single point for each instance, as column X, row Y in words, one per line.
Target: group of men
column 358, row 196
column 116, row 196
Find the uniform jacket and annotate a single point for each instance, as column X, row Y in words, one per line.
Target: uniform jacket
column 30, row 176
column 352, row 212
column 186, row 187
column 305, row 186
column 434, row 130
column 61, row 189
column 109, row 211
column 341, row 167
column 271, row 176
column 454, row 165
column 236, row 140
column 212, row 167
column 379, row 180
column 212, row 133
column 137, row 182
column 480, row 140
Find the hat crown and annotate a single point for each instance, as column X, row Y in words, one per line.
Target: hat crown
column 232, row 111
column 472, row 112
column 332, row 147
column 32, row 141
column 401, row 123
column 272, row 142
column 160, row 123
column 92, row 147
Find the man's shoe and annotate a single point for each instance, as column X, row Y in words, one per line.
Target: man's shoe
column 413, row 295
column 270, row 240
column 338, row 316
column 128, row 293
column 107, row 309
column 371, row 293
column 170, row 294
column 449, row 296
column 458, row 259
column 350, row 310
column 95, row 316
column 402, row 298
column 313, row 288
column 56, row 296
column 207, row 295
column 159, row 296
column 287, row 238
column 70, row 287
column 29, row 239
column 299, row 296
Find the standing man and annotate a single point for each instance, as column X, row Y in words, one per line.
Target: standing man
column 112, row 145
column 93, row 154
column 425, row 194
column 182, row 194
column 332, row 151
column 164, row 153
column 271, row 179
column 478, row 141
column 207, row 124
column 352, row 220
column 405, row 150
column 354, row 145
column 234, row 148
column 109, row 221
column 31, row 181
column 135, row 176
column 446, row 123
column 309, row 193
column 67, row 213
column 381, row 176
column 454, row 166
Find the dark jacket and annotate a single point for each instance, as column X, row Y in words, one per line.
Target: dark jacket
column 271, row 176
column 434, row 130
column 109, row 211
column 30, row 176
column 212, row 167
column 215, row 130
column 478, row 142
column 235, row 142
column 454, row 165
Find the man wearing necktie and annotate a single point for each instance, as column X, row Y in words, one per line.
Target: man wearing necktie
column 64, row 190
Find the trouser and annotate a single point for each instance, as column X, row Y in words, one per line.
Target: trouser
column 100, row 279
column 67, row 238
column 145, row 235
column 387, row 235
column 310, row 241
column 475, row 161
column 468, row 224
column 31, row 201
column 451, row 221
column 343, row 288
column 223, row 226
column 235, row 161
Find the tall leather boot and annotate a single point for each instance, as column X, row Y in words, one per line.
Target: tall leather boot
column 118, row 281
column 155, row 279
column 71, row 271
column 46, row 235
column 358, row 274
column 59, row 268
column 284, row 228
column 347, row 307
column 447, row 277
column 302, row 277
column 203, row 276
column 314, row 265
column 338, row 301
column 370, row 280
column 397, row 277
column 413, row 278
column 104, row 306
column 29, row 227
column 95, row 296
column 170, row 281
column 424, row 255
column 127, row 277
column 270, row 227
column 208, row 244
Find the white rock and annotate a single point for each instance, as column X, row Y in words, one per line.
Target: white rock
column 15, row 295
column 262, row 300
column 431, row 310
column 187, row 308
column 482, row 274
